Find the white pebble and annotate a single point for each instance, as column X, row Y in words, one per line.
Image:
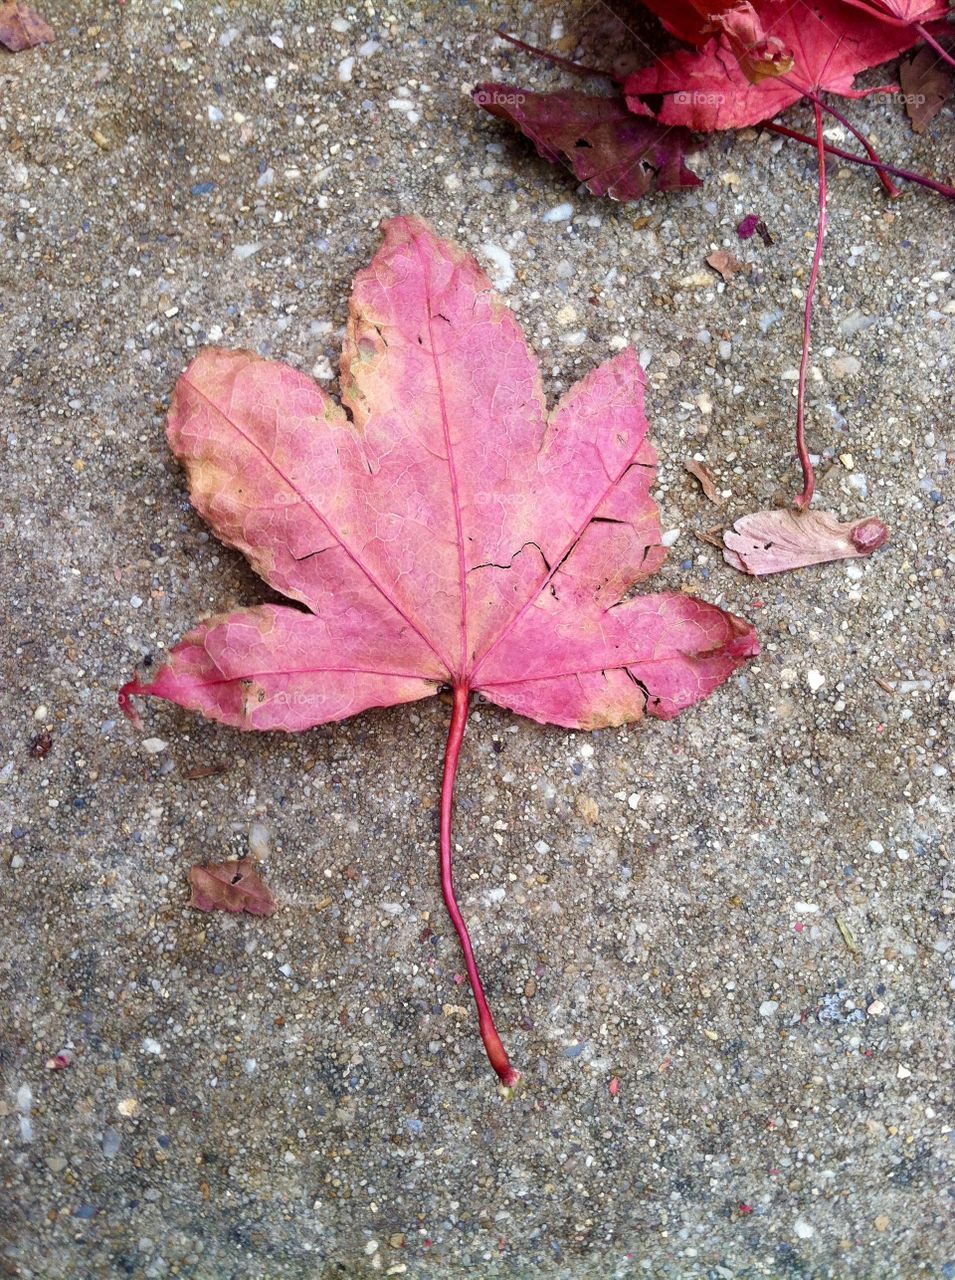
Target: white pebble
column 153, row 746
column 41, row 712
column 667, row 539
column 903, row 1073
column 215, row 115
column 502, row 272
column 151, row 1046
column 586, row 750
column 542, row 847
column 768, row 1008
column 633, row 801
column 815, row 680
column 243, row 251
column 559, row 213
column 260, row 845
column 803, row 1229
column 345, row 68
column 875, row 846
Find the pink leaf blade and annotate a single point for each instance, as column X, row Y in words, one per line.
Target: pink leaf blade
column 449, row 401
column 653, row 654
column 277, row 668
column 597, row 529
column 775, row 541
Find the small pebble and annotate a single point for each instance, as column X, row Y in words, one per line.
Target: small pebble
column 153, row 746
column 260, row 844
column 815, row 680
column 559, row 213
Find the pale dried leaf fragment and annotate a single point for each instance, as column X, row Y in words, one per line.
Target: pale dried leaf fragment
column 701, row 472
column 774, row 541
column 713, row 537
column 233, row 886
column 21, row 27
column 724, row 262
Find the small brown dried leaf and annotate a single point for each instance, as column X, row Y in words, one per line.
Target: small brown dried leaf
column 927, row 84
column 233, row 886
column 713, row 537
column 725, row 263
column 701, row 472
column 22, row 28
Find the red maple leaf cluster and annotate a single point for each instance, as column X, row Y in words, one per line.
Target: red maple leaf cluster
column 740, row 63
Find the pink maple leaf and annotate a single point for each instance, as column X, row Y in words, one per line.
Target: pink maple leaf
column 447, row 530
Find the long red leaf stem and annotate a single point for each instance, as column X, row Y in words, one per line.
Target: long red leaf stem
column 942, row 188
column 808, row 478
column 578, row 68
column 930, row 40
column 871, row 152
column 497, row 1055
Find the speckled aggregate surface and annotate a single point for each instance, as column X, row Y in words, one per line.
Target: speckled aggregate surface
column 718, row 948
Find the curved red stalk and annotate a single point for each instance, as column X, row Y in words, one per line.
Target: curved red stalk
column 784, row 131
column 808, row 478
column 578, row 68
column 886, row 181
column 497, row 1056
column 930, row 40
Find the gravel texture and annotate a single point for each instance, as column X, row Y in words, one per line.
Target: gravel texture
column 718, row 948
